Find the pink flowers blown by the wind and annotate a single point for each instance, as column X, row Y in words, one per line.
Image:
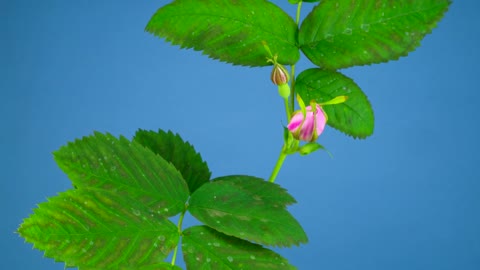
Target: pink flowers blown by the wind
column 311, row 127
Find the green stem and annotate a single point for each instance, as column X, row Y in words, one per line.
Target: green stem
column 277, row 167
column 299, row 8
column 292, row 72
column 288, row 107
column 292, row 92
column 179, row 226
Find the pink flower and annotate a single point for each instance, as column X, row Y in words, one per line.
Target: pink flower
column 311, row 127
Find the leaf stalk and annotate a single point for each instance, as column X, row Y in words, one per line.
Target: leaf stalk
column 278, row 166
column 179, row 226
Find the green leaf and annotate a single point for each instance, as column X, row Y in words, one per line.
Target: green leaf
column 207, row 249
column 353, row 117
column 344, row 33
column 127, row 168
column 161, row 266
column 297, row 1
column 272, row 194
column 248, row 208
column 181, row 154
column 97, row 229
column 229, row 30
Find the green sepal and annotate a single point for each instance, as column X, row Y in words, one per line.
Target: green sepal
column 302, row 106
column 309, row 148
column 290, row 143
column 334, row 101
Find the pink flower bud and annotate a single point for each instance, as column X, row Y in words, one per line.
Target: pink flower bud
column 311, row 127
column 279, row 75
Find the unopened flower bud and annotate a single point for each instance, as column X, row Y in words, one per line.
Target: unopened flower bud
column 279, row 75
column 308, row 128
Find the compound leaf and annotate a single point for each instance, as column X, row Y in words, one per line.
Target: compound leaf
column 98, row 229
column 245, row 209
column 344, row 33
column 107, row 163
column 353, row 117
column 207, row 249
column 228, row 30
column 181, row 154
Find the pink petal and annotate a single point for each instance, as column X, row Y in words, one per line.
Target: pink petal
column 320, row 120
column 306, row 132
column 295, row 122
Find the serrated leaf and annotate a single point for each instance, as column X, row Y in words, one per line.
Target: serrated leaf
column 273, row 195
column 245, row 209
column 228, row 30
column 344, row 33
column 127, row 168
column 207, row 249
column 97, row 229
column 353, row 117
column 181, row 154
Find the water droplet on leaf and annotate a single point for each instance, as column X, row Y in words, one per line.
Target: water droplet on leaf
column 365, row 27
column 328, row 37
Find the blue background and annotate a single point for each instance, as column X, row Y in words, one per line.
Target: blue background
column 405, row 198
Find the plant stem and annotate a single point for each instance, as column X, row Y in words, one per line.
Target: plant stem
column 179, row 226
column 299, row 7
column 292, row 92
column 277, row 167
column 292, row 72
column 288, row 108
